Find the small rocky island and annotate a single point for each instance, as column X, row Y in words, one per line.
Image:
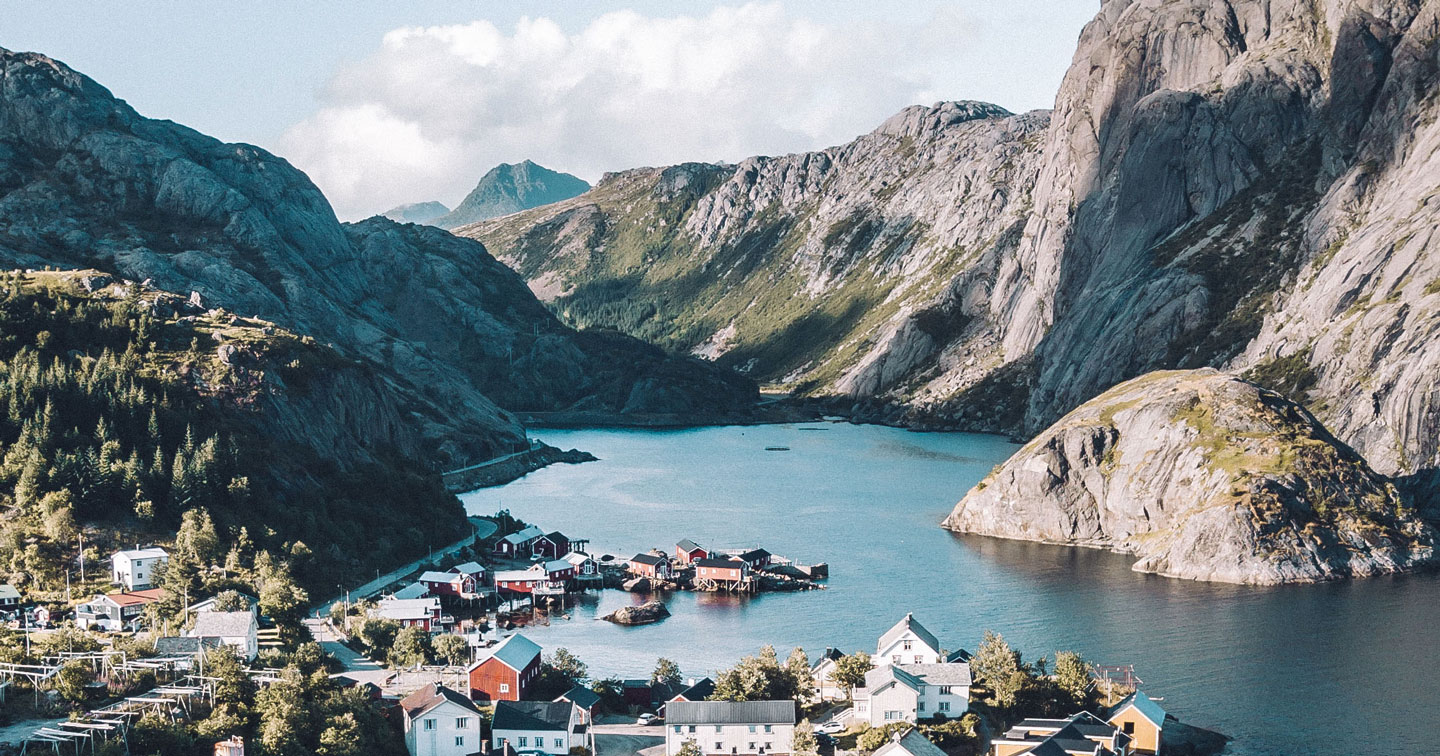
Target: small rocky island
column 644, row 614
column 1204, row 476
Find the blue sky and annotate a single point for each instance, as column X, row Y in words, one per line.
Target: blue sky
column 379, row 117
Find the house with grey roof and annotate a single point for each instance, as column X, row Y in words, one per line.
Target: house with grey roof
column 912, row 692
column 135, row 568
column 734, row 728
column 236, row 629
column 1081, row 734
column 908, row 743
column 822, row 674
column 552, row 727
column 9, row 597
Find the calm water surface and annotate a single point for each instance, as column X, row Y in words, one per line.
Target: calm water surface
column 1328, row 669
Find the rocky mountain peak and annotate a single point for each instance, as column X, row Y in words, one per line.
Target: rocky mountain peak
column 509, row 188
column 918, row 120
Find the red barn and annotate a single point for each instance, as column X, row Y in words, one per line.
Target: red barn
column 688, row 551
column 508, row 672
column 553, row 545
column 650, row 566
column 722, row 570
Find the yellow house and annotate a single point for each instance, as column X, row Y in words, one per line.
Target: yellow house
column 1140, row 717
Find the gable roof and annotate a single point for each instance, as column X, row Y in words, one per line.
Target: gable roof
column 1144, row 704
column 882, row 677
column 754, row 554
column 576, row 558
column 555, row 536
column 649, row 559
column 908, row 623
column 725, row 563
column 701, row 690
column 524, row 536
column 177, row 646
column 8, row 591
column 556, row 565
column 688, row 545
column 581, row 696
column 149, row 552
column 730, row 712
column 411, row 591
column 940, row 674
column 910, row 742
column 468, row 568
column 429, row 697
column 530, row 574
column 435, row 576
column 515, row 652
column 831, row 655
column 224, row 624
column 402, row 609
column 532, row 715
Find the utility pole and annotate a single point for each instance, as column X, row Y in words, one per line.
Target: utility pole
column 82, row 557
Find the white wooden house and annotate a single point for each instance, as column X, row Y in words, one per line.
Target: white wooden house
column 440, row 722
column 135, row 568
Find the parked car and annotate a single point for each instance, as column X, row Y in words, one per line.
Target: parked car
column 647, row 719
column 824, row 740
column 833, row 727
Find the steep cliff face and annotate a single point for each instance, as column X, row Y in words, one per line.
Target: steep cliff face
column 1204, row 476
column 1245, row 184
column 509, row 188
column 85, row 181
column 842, row 271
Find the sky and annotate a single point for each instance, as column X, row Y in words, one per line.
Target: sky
column 384, row 103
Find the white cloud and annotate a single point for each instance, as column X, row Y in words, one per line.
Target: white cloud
column 433, row 108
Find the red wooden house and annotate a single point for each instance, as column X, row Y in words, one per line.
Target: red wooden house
column 688, row 551
column 552, row 545
column 721, row 570
column 447, row 583
column 508, row 672
column 650, row 566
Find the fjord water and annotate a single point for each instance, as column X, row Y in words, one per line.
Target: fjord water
column 1325, row 669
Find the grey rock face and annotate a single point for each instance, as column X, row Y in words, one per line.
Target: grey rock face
column 86, row 182
column 1202, row 476
column 510, row 188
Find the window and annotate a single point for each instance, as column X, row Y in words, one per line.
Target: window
column 895, row 659
column 767, row 746
column 891, row 716
column 1129, row 728
column 719, row 747
column 752, row 729
column 919, row 659
column 559, row 743
column 768, row 728
column 946, row 690
column 524, row 741
column 907, row 646
column 429, row 724
column 717, row 728
column 921, row 706
column 462, row 723
column 677, row 728
column 692, row 728
column 459, row 740
column 752, row 745
column 504, row 687
column 944, row 706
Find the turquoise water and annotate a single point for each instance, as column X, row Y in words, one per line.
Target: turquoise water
column 1328, row 669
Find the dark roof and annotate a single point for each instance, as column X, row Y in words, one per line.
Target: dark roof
column 650, row 559
column 532, row 715
column 581, row 696
column 959, row 656
column 185, row 646
column 635, row 684
column 726, row 563
column 730, row 712
column 754, row 554
column 911, row 742
column 700, row 691
column 429, row 697
column 688, row 545
column 555, row 535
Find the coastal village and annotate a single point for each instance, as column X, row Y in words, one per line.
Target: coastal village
column 442, row 656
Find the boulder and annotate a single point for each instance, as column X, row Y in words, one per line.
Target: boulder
column 644, row 614
column 637, row 585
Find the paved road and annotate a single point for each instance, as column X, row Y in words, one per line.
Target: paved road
column 627, row 745
column 630, row 728
column 356, row 666
column 482, row 529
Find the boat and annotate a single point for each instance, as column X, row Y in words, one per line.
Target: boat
column 777, row 448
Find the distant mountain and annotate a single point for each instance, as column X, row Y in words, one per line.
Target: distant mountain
column 509, row 188
column 416, row 212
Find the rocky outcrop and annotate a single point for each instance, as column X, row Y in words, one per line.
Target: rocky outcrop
column 87, row 182
column 1204, row 476
column 644, row 614
column 509, row 188
column 1245, row 184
